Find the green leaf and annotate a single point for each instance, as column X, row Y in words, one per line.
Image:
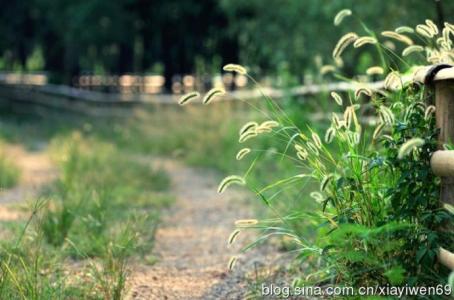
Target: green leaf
column 395, row 275
column 420, row 254
column 267, row 203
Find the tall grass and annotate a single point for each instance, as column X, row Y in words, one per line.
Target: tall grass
column 372, row 201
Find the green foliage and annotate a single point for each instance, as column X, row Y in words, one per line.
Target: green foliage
column 111, row 37
column 397, row 198
column 377, row 218
column 415, row 195
column 301, row 33
column 68, row 38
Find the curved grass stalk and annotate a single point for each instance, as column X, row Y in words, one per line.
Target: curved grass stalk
column 282, row 181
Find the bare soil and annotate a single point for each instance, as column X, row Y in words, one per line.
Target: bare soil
column 191, row 243
column 36, row 170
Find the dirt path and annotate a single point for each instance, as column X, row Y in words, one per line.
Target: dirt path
column 191, row 244
column 36, row 170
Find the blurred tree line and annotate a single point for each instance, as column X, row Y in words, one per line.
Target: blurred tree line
column 68, row 38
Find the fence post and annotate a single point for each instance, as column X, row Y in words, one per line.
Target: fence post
column 444, row 103
column 441, row 78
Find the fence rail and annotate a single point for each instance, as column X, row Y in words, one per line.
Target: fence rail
column 93, row 102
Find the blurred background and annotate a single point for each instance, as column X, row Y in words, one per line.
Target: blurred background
column 92, row 137
column 161, row 46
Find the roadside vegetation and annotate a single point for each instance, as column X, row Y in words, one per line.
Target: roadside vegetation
column 87, row 227
column 370, row 212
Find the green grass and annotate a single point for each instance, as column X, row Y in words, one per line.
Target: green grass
column 102, row 210
column 97, row 217
column 9, row 172
column 199, row 135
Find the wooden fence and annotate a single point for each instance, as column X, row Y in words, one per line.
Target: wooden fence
column 71, row 99
column 441, row 79
column 97, row 103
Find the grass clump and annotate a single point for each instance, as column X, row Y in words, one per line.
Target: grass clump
column 97, row 217
column 9, row 172
column 370, row 211
column 95, row 190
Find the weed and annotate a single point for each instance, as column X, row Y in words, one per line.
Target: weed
column 377, row 217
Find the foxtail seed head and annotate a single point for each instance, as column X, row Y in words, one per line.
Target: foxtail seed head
column 343, row 43
column 393, row 81
column 269, row 124
column 348, row 116
column 299, row 147
column 432, row 26
column 341, row 15
column 316, row 140
column 449, row 208
column 364, row 40
column 262, row 129
column 329, row 135
column 242, row 153
column 327, row 69
column 235, row 68
column 445, row 42
column 317, row 197
column 303, row 136
column 363, row 90
column 378, row 130
column 311, row 147
column 424, row 31
column 188, row 97
column 412, row 49
column 408, row 146
column 446, row 34
column 429, row 111
column 449, row 26
column 233, row 236
column 386, row 115
column 249, row 126
column 266, row 127
column 213, row 93
column 404, row 29
column 229, row 180
column 337, row 98
column 397, row 36
column 302, row 155
column 247, row 135
column 375, row 70
column 232, row 263
column 246, row 222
